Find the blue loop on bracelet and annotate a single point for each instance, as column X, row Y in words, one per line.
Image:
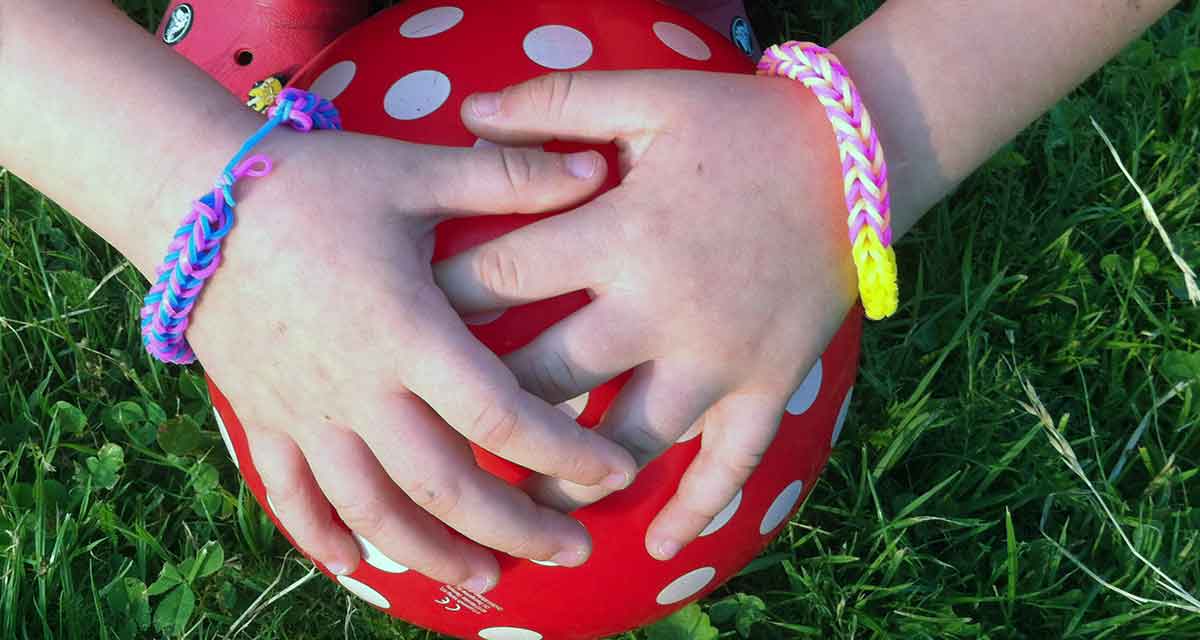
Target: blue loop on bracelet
column 195, row 249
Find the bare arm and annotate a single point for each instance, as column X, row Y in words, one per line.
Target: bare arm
column 948, row 83
column 124, row 134
column 106, row 122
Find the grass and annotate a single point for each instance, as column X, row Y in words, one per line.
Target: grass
column 1020, row 461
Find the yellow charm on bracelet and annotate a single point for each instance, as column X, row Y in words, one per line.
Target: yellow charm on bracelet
column 264, row 93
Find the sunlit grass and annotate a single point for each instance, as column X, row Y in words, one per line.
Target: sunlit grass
column 1043, row 314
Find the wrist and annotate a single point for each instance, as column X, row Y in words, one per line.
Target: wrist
column 195, row 158
column 792, row 134
column 195, row 249
column 892, row 111
column 829, row 228
column 862, row 162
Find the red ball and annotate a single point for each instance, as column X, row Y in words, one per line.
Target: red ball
column 241, row 42
column 404, row 74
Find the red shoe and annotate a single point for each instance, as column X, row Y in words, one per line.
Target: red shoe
column 246, row 43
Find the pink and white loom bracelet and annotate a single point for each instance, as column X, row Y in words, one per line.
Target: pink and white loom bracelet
column 865, row 181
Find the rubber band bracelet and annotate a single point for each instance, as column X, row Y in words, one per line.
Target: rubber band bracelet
column 865, row 181
column 194, row 253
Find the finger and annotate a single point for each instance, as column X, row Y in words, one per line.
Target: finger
column 581, row 352
column 373, row 507
column 737, row 434
column 545, row 259
column 443, row 479
column 658, row 404
column 502, row 180
column 589, row 106
column 476, row 394
column 298, row 503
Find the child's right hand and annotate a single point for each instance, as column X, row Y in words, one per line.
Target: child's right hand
column 323, row 324
column 326, row 331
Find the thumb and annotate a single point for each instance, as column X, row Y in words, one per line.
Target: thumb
column 588, row 106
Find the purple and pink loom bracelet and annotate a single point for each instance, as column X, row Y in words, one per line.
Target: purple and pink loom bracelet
column 194, row 253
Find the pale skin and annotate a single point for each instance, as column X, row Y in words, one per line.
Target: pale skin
column 372, row 417
column 362, row 397
column 709, row 308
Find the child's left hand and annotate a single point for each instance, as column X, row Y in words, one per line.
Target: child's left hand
column 719, row 268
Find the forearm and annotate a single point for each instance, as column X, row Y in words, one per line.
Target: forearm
column 948, row 83
column 119, row 130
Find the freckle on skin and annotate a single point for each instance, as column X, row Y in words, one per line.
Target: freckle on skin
column 699, row 168
column 281, row 328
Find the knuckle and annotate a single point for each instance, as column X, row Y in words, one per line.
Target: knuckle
column 401, row 398
column 643, row 442
column 446, row 568
column 706, row 510
column 574, row 463
column 495, row 425
column 526, row 547
column 283, row 493
column 742, row 463
column 575, row 466
column 694, row 506
column 418, row 292
column 535, row 544
column 518, row 169
column 553, row 378
column 435, row 495
column 406, row 304
column 694, row 497
column 498, row 270
column 552, row 92
column 364, row 517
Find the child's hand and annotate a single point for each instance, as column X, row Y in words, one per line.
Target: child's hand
column 719, row 268
column 325, row 329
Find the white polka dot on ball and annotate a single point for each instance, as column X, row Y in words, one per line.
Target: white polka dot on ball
column 481, row 143
column 687, row 586
column 376, row 558
column 723, row 518
column 693, row 431
column 558, row 47
column 781, row 507
column 682, row 41
column 225, row 437
column 575, row 406
column 481, row 319
column 431, row 22
column 509, row 633
column 806, row 395
column 334, row 80
column 841, row 417
column 369, row 595
column 417, row 95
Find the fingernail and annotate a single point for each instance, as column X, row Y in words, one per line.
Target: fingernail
column 617, row 481
column 478, row 585
column 582, row 165
column 485, row 105
column 338, row 569
column 569, row 558
column 668, row 549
